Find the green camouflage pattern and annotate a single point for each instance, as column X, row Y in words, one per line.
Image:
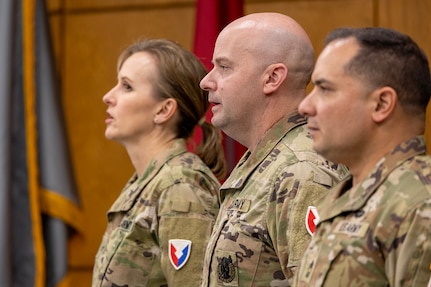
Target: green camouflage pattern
column 176, row 198
column 260, row 232
column 377, row 233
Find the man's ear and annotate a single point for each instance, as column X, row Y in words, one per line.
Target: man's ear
column 275, row 75
column 385, row 100
column 167, row 109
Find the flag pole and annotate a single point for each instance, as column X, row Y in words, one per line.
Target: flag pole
column 29, row 8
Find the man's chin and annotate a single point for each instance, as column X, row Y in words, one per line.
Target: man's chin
column 328, row 154
column 318, row 148
column 215, row 121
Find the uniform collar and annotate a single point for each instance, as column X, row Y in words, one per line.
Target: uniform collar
column 356, row 197
column 178, row 147
column 251, row 160
column 135, row 185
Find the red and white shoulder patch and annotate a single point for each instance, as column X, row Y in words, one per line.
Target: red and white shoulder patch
column 179, row 252
column 311, row 219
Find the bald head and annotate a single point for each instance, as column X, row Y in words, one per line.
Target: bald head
column 269, row 22
column 262, row 65
column 274, row 38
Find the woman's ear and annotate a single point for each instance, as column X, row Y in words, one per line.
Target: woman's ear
column 385, row 100
column 275, row 75
column 166, row 110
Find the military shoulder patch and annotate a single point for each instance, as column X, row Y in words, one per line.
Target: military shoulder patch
column 179, row 252
column 311, row 219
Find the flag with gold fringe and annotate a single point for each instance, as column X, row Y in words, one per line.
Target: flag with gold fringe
column 39, row 205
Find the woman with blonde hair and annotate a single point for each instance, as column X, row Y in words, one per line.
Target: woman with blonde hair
column 159, row 226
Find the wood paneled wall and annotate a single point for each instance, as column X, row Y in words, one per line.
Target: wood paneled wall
column 88, row 37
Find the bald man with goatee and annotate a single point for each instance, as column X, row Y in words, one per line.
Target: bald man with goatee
column 262, row 65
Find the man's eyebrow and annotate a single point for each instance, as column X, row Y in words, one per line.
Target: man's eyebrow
column 320, row 81
column 220, row 59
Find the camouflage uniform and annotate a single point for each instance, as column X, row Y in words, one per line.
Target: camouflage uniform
column 260, row 232
column 429, row 283
column 176, row 198
column 378, row 233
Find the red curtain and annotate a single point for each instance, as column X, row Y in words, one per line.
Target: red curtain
column 211, row 17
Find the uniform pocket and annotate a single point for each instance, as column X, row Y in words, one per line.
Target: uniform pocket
column 128, row 260
column 316, row 264
column 237, row 264
column 131, row 265
column 343, row 263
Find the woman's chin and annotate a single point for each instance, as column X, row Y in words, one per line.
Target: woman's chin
column 109, row 136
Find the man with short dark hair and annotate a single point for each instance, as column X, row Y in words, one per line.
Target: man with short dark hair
column 367, row 111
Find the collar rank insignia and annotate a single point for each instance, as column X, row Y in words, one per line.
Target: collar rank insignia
column 311, row 219
column 179, row 252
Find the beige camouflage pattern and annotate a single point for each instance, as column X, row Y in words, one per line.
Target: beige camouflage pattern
column 260, row 233
column 379, row 232
column 429, row 283
column 176, row 198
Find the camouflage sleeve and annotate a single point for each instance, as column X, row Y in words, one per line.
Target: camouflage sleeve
column 186, row 218
column 429, row 283
column 288, row 225
column 408, row 261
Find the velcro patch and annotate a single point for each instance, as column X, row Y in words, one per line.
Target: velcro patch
column 356, row 229
column 240, row 204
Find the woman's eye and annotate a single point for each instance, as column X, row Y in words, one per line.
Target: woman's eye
column 127, row 87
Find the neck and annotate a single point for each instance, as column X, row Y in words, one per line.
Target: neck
column 362, row 167
column 142, row 153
